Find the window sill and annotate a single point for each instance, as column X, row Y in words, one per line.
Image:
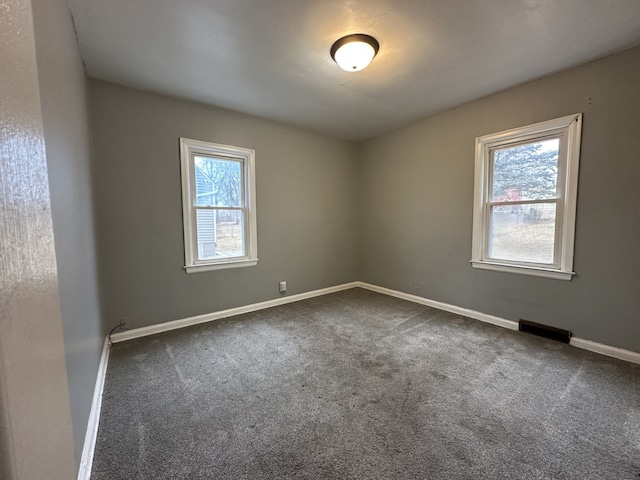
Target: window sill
column 524, row 270
column 206, row 267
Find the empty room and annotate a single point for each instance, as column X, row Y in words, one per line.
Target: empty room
column 337, row 239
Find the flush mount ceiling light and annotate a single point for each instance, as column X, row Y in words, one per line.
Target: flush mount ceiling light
column 354, row 52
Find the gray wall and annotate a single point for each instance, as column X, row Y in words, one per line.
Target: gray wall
column 36, row 439
column 66, row 133
column 417, row 201
column 306, row 207
column 395, row 211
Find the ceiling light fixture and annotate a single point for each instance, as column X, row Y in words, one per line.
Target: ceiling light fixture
column 354, row 52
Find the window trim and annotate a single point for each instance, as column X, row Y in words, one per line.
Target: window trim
column 190, row 148
column 568, row 129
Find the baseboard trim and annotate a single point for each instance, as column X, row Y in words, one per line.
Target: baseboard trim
column 84, row 472
column 483, row 317
column 609, row 351
column 615, row 352
column 208, row 317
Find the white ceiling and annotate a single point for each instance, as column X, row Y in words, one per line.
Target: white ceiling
column 271, row 57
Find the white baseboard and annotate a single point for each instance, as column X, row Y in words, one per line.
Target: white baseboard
column 609, row 351
column 208, row 317
column 615, row 352
column 483, row 317
column 603, row 349
column 84, row 472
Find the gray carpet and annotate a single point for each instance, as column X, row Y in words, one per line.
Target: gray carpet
column 358, row 385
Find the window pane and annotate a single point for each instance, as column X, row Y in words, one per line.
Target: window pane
column 525, row 172
column 220, row 234
column 523, row 232
column 218, row 182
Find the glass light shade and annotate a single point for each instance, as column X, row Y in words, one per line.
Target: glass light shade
column 354, row 52
column 354, row 56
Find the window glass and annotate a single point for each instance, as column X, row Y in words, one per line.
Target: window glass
column 218, row 182
column 524, row 232
column 220, row 233
column 525, row 172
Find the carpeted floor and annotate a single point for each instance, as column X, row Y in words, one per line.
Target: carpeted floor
column 358, row 385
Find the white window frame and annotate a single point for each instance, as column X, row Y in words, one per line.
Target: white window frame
column 189, row 149
column 568, row 129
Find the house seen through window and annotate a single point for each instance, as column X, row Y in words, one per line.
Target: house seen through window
column 219, row 222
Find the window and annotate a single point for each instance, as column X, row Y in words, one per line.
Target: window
column 218, row 206
column 526, row 183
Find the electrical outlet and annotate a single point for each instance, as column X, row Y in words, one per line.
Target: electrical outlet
column 283, row 287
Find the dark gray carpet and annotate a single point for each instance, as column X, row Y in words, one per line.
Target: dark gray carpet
column 358, row 385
